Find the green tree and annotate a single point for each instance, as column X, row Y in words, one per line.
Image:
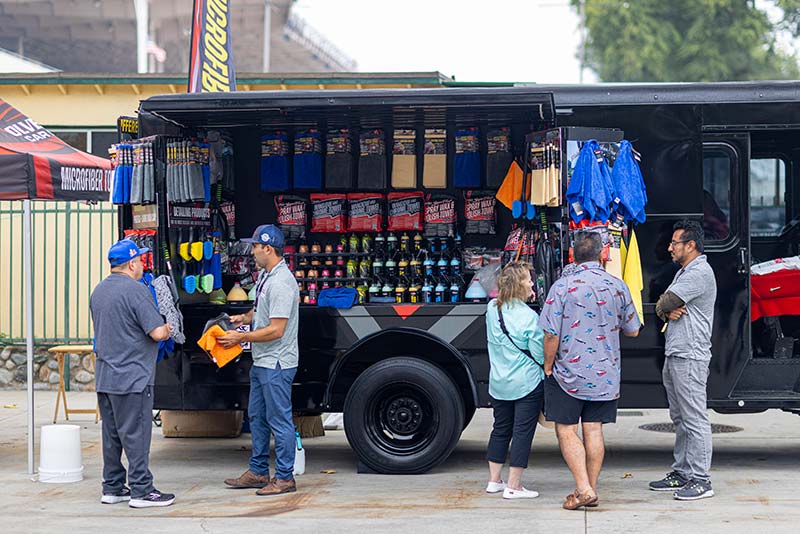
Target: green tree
column 688, row 40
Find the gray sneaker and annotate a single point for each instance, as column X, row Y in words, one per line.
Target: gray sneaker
column 694, row 490
column 673, row 481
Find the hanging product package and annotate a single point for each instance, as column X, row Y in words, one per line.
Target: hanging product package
column 372, row 161
column 630, row 194
column 308, row 160
column 329, row 212
column 291, row 216
column 149, row 187
column 589, row 194
column 406, row 211
column 275, row 162
column 137, row 178
column 440, row 216
column 434, row 173
column 339, row 160
column 404, row 159
column 498, row 156
column 365, row 212
column 479, row 212
column 467, row 166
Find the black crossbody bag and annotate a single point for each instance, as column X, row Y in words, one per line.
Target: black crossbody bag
column 526, row 352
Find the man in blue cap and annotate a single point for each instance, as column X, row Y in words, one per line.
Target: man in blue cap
column 127, row 329
column 273, row 338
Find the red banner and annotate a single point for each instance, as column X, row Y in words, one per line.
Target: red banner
column 211, row 62
column 36, row 164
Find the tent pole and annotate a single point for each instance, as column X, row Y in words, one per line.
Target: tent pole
column 27, row 245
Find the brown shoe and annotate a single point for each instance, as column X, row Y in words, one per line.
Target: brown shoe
column 248, row 480
column 278, row 486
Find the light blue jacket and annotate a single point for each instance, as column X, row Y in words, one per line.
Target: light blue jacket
column 513, row 374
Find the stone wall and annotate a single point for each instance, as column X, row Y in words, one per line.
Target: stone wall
column 13, row 369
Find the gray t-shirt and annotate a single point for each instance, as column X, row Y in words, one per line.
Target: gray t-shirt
column 690, row 336
column 124, row 313
column 277, row 297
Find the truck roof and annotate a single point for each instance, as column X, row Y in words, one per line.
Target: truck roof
column 405, row 107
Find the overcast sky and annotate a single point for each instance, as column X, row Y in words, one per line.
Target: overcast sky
column 471, row 40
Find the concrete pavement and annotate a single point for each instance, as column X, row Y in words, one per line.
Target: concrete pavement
column 755, row 476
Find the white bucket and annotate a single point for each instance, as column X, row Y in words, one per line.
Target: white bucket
column 60, row 457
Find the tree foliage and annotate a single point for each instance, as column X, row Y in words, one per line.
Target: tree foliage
column 688, row 40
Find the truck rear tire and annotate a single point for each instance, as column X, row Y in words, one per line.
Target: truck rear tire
column 403, row 416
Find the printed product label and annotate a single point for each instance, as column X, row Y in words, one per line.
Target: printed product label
column 404, row 142
column 338, row 142
column 467, row 141
column 498, row 141
column 435, row 141
column 441, row 211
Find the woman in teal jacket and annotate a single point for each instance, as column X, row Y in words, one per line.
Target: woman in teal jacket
column 516, row 356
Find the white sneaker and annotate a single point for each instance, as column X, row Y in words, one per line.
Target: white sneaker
column 509, row 493
column 495, row 487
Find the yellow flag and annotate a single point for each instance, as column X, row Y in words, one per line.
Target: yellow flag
column 633, row 275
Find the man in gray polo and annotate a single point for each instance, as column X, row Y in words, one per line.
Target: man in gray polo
column 273, row 338
column 688, row 308
column 127, row 329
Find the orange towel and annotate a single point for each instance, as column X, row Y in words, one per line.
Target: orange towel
column 218, row 354
column 511, row 188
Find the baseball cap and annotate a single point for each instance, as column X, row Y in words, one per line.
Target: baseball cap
column 124, row 251
column 267, row 234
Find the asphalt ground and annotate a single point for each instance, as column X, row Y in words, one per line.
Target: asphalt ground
column 755, row 477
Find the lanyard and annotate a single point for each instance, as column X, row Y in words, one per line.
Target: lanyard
column 259, row 287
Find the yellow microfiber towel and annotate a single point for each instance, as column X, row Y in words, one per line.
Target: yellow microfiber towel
column 633, row 274
column 218, row 354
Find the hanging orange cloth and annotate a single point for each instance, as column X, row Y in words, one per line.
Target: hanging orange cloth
column 218, row 354
column 511, row 188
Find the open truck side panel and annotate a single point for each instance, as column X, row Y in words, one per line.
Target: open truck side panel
column 347, row 355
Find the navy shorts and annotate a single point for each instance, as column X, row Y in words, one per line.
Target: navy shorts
column 561, row 407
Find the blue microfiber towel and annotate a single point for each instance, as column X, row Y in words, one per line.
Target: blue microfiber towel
column 116, row 193
column 274, row 162
column 602, row 193
column 308, row 160
column 338, row 297
column 630, row 193
column 589, row 193
column 467, row 162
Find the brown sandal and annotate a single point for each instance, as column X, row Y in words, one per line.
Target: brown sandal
column 594, row 504
column 577, row 500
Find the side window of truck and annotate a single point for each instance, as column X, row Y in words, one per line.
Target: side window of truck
column 719, row 163
column 767, row 196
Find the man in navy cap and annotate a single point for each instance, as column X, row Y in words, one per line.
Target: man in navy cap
column 127, row 329
column 273, row 338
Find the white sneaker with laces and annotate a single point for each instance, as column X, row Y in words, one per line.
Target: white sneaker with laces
column 495, row 487
column 523, row 493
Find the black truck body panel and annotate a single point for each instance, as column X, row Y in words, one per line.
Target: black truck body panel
column 672, row 125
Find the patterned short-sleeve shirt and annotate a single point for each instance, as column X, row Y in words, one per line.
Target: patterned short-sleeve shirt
column 587, row 310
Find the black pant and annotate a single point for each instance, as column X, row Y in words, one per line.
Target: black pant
column 127, row 425
column 515, row 422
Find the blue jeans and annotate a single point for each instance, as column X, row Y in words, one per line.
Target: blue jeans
column 270, row 411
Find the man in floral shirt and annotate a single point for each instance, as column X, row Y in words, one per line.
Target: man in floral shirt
column 582, row 317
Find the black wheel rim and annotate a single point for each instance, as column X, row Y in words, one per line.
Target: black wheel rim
column 401, row 419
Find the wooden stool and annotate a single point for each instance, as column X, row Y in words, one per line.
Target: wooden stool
column 60, row 351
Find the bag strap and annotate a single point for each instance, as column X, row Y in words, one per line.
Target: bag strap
column 526, row 352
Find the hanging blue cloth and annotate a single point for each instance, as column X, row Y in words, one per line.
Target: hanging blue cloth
column 164, row 347
column 630, row 193
column 602, row 193
column 589, row 193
